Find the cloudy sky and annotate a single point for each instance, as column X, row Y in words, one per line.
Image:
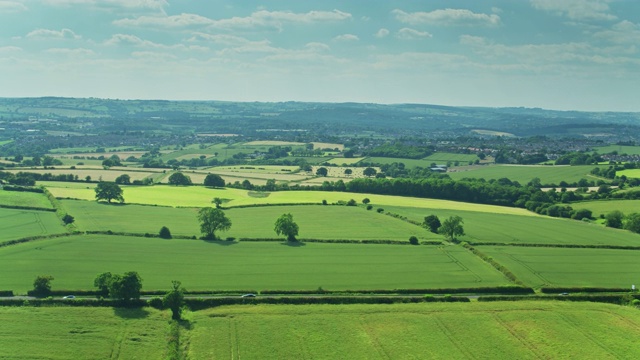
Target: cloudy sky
column 555, row 54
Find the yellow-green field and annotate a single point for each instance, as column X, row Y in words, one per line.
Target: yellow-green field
column 605, row 206
column 518, row 330
column 82, row 333
column 347, row 161
column 621, row 149
column 273, row 143
column 20, row 198
column 630, row 173
column 95, row 174
column 525, row 173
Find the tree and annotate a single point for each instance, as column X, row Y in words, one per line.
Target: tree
column 42, row 285
column 633, row 223
column 413, row 240
column 352, row 202
column 109, row 191
column 432, row 223
column 614, row 219
column 286, row 226
column 369, row 172
column 164, row 233
column 68, row 219
column 214, row 180
column 179, row 178
column 174, row 299
column 366, row 201
column 125, row 287
column 102, row 282
column 322, row 171
column 123, row 179
column 217, row 201
column 452, row 227
column 348, row 171
column 212, row 220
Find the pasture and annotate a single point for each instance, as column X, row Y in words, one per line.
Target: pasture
column 443, row 158
column 16, row 224
column 516, row 330
column 483, row 227
column 524, row 173
column 315, row 221
column 74, row 262
column 94, row 174
column 409, row 163
column 199, row 196
column 87, row 333
column 621, row 149
column 630, row 173
column 344, row 161
column 606, row 206
column 24, row 198
column 538, row 267
column 273, row 143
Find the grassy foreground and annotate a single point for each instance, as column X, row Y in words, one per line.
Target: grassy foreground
column 520, row 330
column 82, row 333
column 75, row 261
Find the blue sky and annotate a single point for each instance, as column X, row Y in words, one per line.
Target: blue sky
column 555, row 54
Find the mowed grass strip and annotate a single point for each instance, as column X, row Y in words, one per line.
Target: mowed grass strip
column 538, row 267
column 505, row 228
column 199, row 196
column 16, row 224
column 605, row 206
column 75, row 261
column 24, row 198
column 517, row 330
column 525, row 173
column 87, row 333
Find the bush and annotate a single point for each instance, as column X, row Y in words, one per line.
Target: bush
column 369, row 207
column 68, row 219
column 165, row 233
column 380, row 210
column 413, row 240
column 352, row 202
column 324, row 202
column 155, row 302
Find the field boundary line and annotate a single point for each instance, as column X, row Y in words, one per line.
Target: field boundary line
column 375, row 342
column 449, row 334
column 496, row 265
column 33, row 208
column 524, row 342
column 567, row 246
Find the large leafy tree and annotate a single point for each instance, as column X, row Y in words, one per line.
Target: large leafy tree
column 174, row 299
column 452, row 227
column 286, row 226
column 212, row 220
column 614, row 219
column 633, row 223
column 42, row 285
column 432, row 223
column 109, row 191
column 214, row 180
column 102, row 282
column 125, row 287
column 179, row 178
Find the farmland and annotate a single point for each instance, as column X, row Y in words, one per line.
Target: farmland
column 201, row 265
column 621, row 149
column 89, row 333
column 443, row 157
column 28, row 199
column 569, row 267
column 606, row 206
column 630, row 173
column 15, row 224
column 95, row 174
column 525, row 173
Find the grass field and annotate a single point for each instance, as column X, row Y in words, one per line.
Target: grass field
column 82, row 333
column 96, row 174
column 606, row 206
column 273, row 143
column 75, row 261
column 506, row 228
column 198, row 196
column 569, row 267
column 518, row 330
column 23, row 198
column 409, row 163
column 525, row 173
column 315, row 221
column 630, row 173
column 442, row 157
column 348, row 161
column 629, row 150
column 16, row 224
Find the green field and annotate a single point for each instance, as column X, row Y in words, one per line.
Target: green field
column 504, row 228
column 606, row 206
column 443, row 158
column 409, row 163
column 198, row 196
column 630, row 173
column 16, row 224
column 520, row 330
column 525, row 173
column 315, row 221
column 629, row 150
column 348, row 161
column 82, row 333
column 569, row 267
column 24, row 198
column 5, row 142
column 75, row 261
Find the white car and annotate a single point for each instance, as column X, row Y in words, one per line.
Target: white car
column 69, row 297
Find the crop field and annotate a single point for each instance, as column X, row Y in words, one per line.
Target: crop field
column 282, row 176
column 338, row 172
column 273, row 143
column 606, row 206
column 87, row 333
column 332, row 146
column 630, row 173
column 348, row 161
column 95, row 174
column 442, row 158
column 409, row 163
column 75, row 261
column 16, row 224
column 518, row 330
column 23, row 198
column 569, row 267
column 264, row 169
column 198, row 196
column 525, row 173
column 315, row 221
column 492, row 133
column 629, row 150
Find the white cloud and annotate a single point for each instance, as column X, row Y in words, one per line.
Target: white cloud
column 624, row 32
column 71, row 52
column 447, row 17
column 317, row 47
column 12, row 7
column 576, row 9
column 113, row 4
column 9, row 49
column 346, row 37
column 382, row 33
column 257, row 20
column 53, row 34
column 408, row 34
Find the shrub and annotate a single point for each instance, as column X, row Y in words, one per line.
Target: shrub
column 413, row 240
column 352, row 202
column 165, row 233
column 155, row 302
column 380, row 210
column 369, row 207
column 324, row 202
column 68, row 219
